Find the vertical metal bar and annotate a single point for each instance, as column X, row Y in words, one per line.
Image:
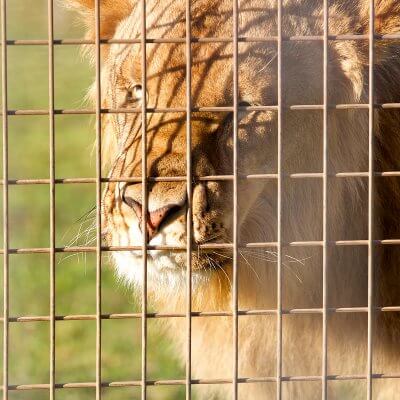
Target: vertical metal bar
column 325, row 207
column 371, row 196
column 144, row 200
column 189, row 200
column 5, row 197
column 50, row 9
column 235, row 320
column 279, row 212
column 97, row 19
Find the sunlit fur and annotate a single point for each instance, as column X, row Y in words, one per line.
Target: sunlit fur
column 257, row 148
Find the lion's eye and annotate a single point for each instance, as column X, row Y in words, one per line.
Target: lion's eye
column 134, row 94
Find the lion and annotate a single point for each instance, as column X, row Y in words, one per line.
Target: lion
column 257, row 149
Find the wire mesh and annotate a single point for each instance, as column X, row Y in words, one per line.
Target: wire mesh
column 325, row 244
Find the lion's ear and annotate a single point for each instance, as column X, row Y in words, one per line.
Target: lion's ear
column 112, row 12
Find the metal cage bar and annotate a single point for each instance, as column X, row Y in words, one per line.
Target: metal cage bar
column 314, row 243
column 235, row 288
column 97, row 21
column 371, row 154
column 301, row 175
column 190, row 179
column 243, row 39
column 189, row 232
column 152, row 315
column 324, row 366
column 279, row 209
column 144, row 197
column 6, row 286
column 182, row 382
column 297, row 107
column 52, row 210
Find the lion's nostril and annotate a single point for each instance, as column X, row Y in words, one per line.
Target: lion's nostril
column 135, row 205
column 154, row 218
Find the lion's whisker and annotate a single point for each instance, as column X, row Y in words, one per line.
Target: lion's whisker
column 251, row 267
column 219, row 267
column 259, row 256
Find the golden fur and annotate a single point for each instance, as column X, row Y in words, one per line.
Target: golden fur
column 301, row 199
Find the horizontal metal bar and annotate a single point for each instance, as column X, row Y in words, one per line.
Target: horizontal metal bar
column 294, row 107
column 45, row 42
column 221, row 246
column 157, row 315
column 136, row 179
column 92, row 249
column 175, row 382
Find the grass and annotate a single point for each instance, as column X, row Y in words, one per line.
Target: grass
column 29, row 227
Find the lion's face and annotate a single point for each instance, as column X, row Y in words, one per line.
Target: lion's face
column 211, row 132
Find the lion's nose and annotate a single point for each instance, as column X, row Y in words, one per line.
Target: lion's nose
column 154, row 218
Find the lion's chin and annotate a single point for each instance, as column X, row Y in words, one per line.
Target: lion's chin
column 166, row 266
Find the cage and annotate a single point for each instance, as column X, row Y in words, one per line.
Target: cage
column 305, row 111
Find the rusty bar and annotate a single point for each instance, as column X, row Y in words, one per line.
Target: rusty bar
column 97, row 20
column 6, row 282
column 279, row 208
column 144, row 198
column 235, row 116
column 371, row 155
column 52, row 205
column 324, row 366
column 189, row 218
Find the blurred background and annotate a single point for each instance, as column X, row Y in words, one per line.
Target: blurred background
column 29, row 227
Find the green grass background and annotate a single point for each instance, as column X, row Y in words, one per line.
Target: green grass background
column 29, row 227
